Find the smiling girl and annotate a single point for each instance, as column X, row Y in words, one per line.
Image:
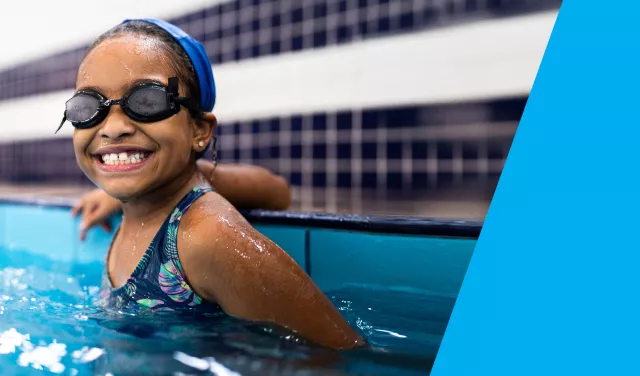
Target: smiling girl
column 142, row 117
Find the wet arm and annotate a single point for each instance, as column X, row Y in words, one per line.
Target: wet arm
column 253, row 279
column 247, row 186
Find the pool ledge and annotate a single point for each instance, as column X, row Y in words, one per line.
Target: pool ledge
column 341, row 221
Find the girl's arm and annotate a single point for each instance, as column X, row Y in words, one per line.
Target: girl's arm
column 248, row 187
column 228, row 262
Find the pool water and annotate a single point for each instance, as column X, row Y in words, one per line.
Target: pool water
column 48, row 325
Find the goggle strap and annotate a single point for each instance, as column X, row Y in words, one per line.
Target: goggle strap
column 172, row 87
column 64, row 118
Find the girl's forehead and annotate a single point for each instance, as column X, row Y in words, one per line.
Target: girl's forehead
column 116, row 61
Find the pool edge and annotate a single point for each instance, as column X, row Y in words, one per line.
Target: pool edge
column 341, row 221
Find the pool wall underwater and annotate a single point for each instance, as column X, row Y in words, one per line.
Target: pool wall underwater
column 336, row 250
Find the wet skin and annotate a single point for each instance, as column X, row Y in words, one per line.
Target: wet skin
column 224, row 258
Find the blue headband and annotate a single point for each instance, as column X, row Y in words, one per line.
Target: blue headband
column 199, row 59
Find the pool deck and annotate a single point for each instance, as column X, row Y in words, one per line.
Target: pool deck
column 451, row 206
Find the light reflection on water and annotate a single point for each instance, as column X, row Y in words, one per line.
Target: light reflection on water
column 49, row 325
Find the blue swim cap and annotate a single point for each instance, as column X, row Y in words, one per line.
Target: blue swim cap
column 199, row 59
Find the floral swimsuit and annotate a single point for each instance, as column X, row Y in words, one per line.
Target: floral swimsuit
column 158, row 283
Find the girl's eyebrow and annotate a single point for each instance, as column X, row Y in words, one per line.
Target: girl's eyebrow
column 124, row 88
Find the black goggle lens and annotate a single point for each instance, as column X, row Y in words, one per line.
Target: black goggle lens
column 148, row 102
column 82, row 107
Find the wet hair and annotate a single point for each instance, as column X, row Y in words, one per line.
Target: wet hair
column 177, row 58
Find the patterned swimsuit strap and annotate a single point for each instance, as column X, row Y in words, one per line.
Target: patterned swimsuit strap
column 192, row 196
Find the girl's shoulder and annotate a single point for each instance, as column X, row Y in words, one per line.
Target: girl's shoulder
column 212, row 219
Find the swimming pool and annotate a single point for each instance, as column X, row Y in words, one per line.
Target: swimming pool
column 394, row 279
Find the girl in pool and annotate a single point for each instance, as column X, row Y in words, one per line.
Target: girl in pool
column 142, row 117
column 244, row 186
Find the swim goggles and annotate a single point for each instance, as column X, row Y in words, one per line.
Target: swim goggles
column 146, row 103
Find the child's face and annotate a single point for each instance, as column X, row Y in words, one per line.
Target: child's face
column 111, row 69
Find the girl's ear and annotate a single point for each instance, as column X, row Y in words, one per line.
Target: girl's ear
column 204, row 128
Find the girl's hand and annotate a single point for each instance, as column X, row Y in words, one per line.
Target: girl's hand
column 96, row 207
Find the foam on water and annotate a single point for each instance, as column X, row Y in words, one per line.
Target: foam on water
column 49, row 325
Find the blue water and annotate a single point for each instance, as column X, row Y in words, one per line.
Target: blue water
column 48, row 325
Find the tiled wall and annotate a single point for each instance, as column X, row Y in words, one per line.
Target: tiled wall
column 386, row 152
column 248, row 29
column 390, row 150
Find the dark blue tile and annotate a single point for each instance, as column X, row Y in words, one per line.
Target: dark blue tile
column 494, row 4
column 236, row 128
column 344, row 34
column 384, row 25
column 274, row 125
column 319, row 121
column 445, row 150
column 449, row 8
column 371, row 119
column 507, row 110
column 429, row 16
column 296, row 43
column 296, row 15
column 344, row 180
column 394, row 181
column 255, row 51
column 255, row 25
column 402, row 117
column 274, row 152
column 419, row 149
column 319, row 39
column 296, row 151
column 320, row 10
column 493, row 176
column 295, row 179
column 445, row 180
column 296, row 123
column 496, row 150
column 394, row 150
column 406, row 21
column 343, row 120
column 469, row 150
column 276, row 20
column 471, row 5
column 213, row 11
column 419, row 180
column 275, row 47
column 319, row 151
column 363, row 28
column 470, row 177
column 319, row 179
column 344, row 151
column 256, row 127
column 369, row 150
column 369, row 180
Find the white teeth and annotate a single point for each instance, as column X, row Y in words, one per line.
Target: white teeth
column 123, row 158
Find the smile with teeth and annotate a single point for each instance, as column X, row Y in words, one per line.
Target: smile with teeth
column 123, row 158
